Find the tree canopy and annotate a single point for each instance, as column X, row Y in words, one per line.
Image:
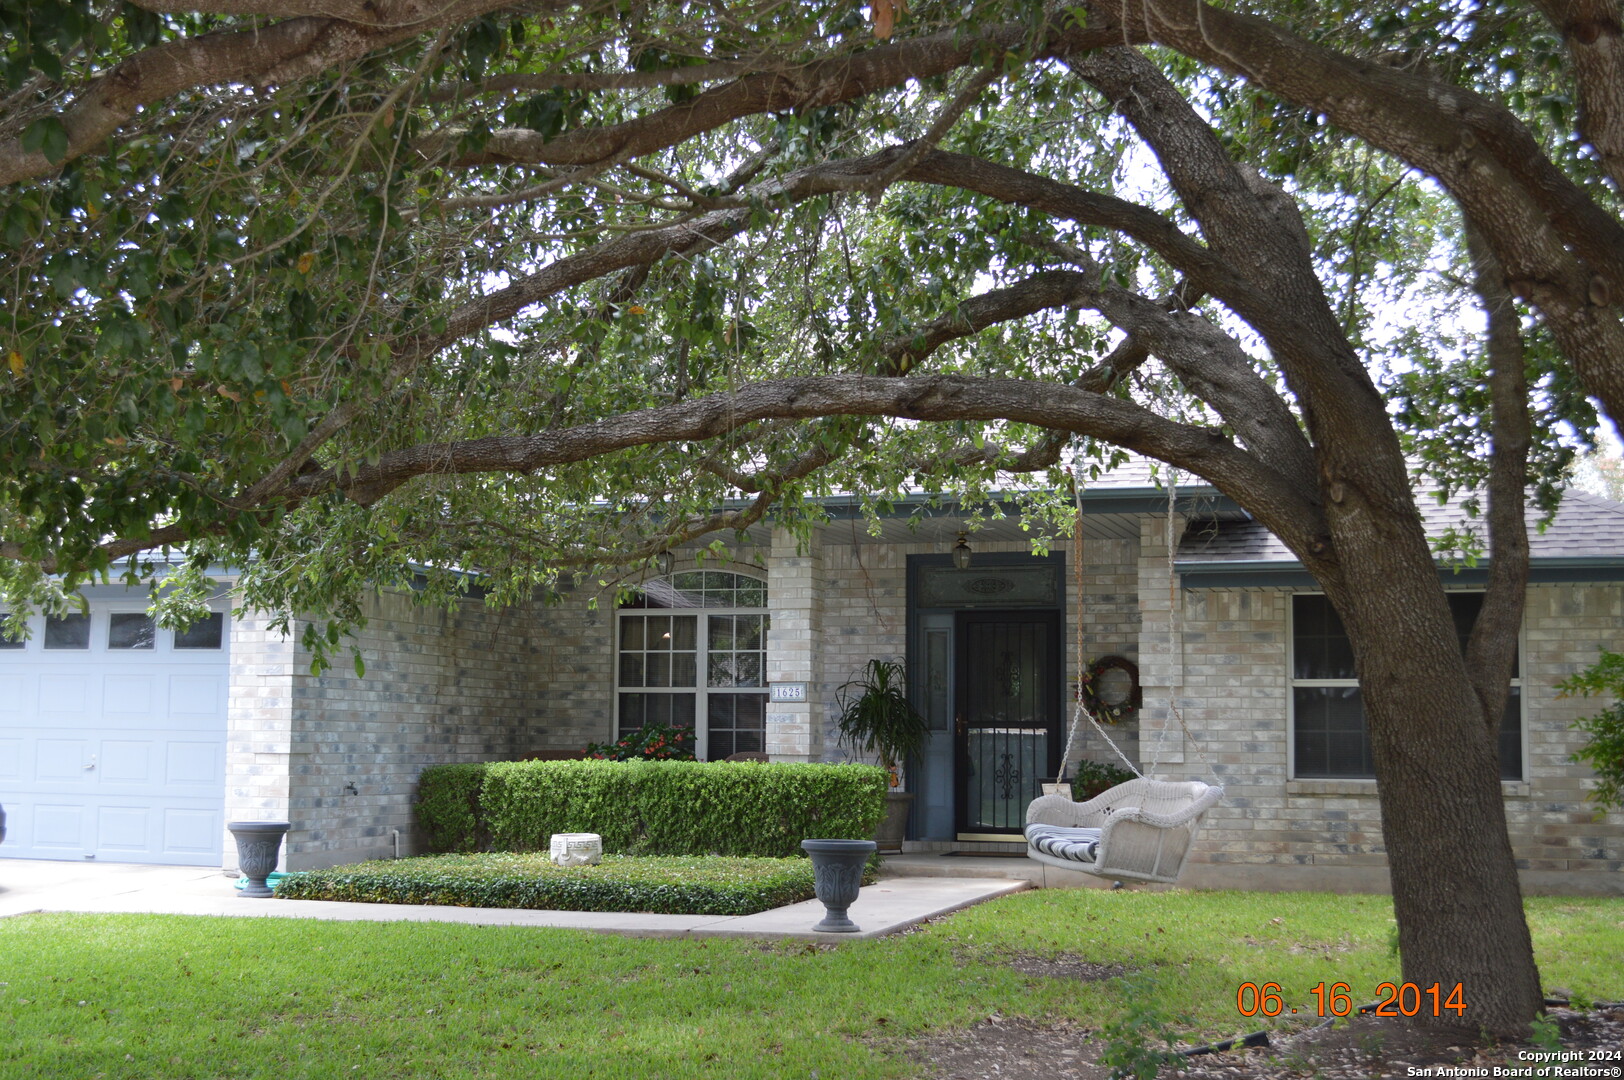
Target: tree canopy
column 343, row 291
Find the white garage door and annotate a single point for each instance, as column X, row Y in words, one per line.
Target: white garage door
column 112, row 738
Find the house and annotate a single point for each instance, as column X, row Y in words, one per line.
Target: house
column 123, row 742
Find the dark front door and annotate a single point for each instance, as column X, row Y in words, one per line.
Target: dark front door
column 1007, row 722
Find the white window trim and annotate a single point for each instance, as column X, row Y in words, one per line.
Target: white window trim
column 701, row 690
column 1332, row 785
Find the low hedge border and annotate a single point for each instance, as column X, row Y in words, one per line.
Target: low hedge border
column 667, row 885
column 650, row 808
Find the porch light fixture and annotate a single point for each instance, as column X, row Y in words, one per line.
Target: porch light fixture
column 961, row 554
column 664, row 563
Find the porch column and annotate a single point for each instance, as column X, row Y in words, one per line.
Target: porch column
column 259, row 728
column 1161, row 647
column 795, row 604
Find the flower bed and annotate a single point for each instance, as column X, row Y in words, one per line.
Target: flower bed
column 670, row 885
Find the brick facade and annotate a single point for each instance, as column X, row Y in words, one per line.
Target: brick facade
column 480, row 685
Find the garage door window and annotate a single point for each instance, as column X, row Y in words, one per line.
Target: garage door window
column 7, row 641
column 67, row 632
column 203, row 634
column 127, row 630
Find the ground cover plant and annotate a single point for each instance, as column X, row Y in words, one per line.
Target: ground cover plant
column 131, row 997
column 671, row 885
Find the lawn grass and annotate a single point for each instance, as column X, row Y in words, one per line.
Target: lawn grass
column 130, row 997
column 665, row 884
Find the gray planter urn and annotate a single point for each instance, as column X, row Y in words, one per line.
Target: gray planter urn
column 837, row 875
column 258, row 845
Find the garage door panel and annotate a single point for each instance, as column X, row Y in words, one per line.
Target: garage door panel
column 196, row 696
column 124, row 761
column 127, row 696
column 192, row 836
column 64, row 696
column 62, row 760
column 59, row 828
column 192, row 763
column 18, row 694
column 11, row 761
column 123, row 829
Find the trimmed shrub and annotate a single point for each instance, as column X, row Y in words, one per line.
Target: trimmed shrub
column 447, row 807
column 669, row 885
column 681, row 807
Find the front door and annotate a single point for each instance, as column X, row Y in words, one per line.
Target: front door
column 1007, row 716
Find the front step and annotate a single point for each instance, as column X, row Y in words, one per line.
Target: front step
column 1041, row 875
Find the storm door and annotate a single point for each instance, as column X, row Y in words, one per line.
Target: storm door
column 1007, row 727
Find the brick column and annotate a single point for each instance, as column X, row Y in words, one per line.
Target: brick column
column 795, row 602
column 259, row 726
column 1161, row 647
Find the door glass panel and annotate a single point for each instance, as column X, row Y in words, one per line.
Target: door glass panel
column 206, row 633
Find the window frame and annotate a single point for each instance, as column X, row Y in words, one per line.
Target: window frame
column 1293, row 683
column 701, row 690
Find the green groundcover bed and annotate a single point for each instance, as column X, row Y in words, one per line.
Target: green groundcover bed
column 665, row 884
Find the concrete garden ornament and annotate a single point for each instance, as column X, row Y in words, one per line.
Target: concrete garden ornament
column 576, row 849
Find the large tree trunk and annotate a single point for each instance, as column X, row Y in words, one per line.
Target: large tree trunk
column 1455, row 890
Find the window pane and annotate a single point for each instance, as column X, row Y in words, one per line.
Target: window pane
column 631, row 711
column 684, row 669
column 720, row 670
column 6, row 640
column 1330, row 733
column 748, row 631
column 1320, row 646
column 684, row 632
column 631, row 669
column 127, row 630
column 721, row 633
column 658, row 670
column 1511, row 763
column 206, row 633
column 67, row 632
column 747, row 669
column 659, row 632
column 752, row 593
column 631, row 632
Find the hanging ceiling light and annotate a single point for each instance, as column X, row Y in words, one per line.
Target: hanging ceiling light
column 961, row 554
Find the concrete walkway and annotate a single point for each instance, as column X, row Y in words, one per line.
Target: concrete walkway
column 893, row 904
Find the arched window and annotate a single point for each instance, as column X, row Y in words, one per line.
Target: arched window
column 693, row 653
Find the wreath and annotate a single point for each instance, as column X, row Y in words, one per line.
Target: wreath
column 1109, row 712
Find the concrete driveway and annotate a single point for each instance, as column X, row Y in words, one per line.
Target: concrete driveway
column 892, row 904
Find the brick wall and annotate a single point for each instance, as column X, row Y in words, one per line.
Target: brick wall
column 440, row 686
column 1326, row 834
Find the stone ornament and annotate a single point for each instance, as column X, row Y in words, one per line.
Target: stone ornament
column 576, row 849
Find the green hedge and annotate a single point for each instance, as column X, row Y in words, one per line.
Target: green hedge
column 693, row 885
column 447, row 808
column 657, row 807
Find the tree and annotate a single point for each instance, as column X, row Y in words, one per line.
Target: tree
column 357, row 287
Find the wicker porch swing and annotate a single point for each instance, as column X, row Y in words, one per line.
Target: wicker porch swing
column 1141, row 829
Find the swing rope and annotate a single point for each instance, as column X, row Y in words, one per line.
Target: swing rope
column 1077, row 576
column 1175, row 637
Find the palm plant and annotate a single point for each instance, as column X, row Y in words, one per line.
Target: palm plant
column 877, row 718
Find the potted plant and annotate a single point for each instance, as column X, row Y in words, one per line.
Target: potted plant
column 877, row 718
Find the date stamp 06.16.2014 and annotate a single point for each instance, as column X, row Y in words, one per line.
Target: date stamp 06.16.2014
column 1410, row 1000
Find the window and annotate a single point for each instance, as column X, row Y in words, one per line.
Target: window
column 7, row 641
column 1328, row 718
column 206, row 633
column 67, row 631
column 693, row 653
column 130, row 630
